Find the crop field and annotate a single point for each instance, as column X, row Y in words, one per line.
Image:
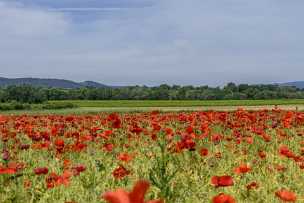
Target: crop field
column 180, row 103
column 219, row 157
column 97, row 106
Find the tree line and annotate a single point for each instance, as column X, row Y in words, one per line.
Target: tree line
column 31, row 94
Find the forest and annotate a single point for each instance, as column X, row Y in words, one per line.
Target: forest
column 231, row 91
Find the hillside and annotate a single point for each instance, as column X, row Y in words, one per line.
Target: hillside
column 57, row 83
column 298, row 84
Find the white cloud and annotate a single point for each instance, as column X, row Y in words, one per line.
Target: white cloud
column 182, row 42
column 87, row 9
column 19, row 21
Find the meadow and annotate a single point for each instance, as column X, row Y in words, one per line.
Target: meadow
column 179, row 103
column 200, row 156
column 96, row 106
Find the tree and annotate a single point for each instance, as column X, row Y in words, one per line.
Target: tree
column 25, row 94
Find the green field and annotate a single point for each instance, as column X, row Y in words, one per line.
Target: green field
column 85, row 106
column 181, row 103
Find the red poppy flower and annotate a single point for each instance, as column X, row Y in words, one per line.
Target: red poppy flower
column 243, row 168
column 285, row 151
column 24, row 146
column 286, row 195
column 204, row 152
column 106, row 134
column 7, row 171
column 216, row 138
column 137, row 195
column 222, row 181
column 262, row 154
column 64, row 179
column 124, row 157
column 223, row 198
column 218, row 155
column 41, row 171
column 120, row 172
column 108, row 147
column 252, row 185
column 280, row 168
column 59, row 144
column 55, row 180
column 249, row 140
column 78, row 169
column 302, row 150
column 27, row 184
column 66, row 163
column 5, row 155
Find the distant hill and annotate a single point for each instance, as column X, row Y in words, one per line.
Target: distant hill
column 57, row 83
column 92, row 84
column 298, row 84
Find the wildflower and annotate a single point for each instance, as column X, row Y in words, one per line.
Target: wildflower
column 120, row 172
column 7, row 171
column 204, row 152
column 223, row 198
column 222, row 181
column 5, row 155
column 286, row 195
column 79, row 169
column 252, row 185
column 41, row 171
column 124, row 157
column 108, row 147
column 137, row 195
column 59, row 144
column 262, row 154
column 285, row 151
column 24, row 146
column 243, row 168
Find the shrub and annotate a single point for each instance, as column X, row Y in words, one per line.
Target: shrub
column 60, row 105
column 14, row 106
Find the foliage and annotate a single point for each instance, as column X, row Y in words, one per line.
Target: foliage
column 14, row 106
column 23, row 94
column 179, row 103
column 61, row 105
column 28, row 94
column 25, row 106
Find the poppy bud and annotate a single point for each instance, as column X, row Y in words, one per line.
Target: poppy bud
column 5, row 155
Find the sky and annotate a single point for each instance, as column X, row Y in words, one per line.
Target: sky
column 151, row 42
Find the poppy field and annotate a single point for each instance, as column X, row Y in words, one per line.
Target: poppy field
column 153, row 157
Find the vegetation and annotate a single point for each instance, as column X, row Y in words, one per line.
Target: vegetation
column 14, row 106
column 26, row 106
column 29, row 94
column 27, row 97
column 177, row 103
column 61, row 105
column 185, row 157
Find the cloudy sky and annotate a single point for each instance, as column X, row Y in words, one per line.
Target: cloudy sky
column 123, row 42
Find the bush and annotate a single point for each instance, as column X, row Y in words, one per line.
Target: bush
column 24, row 106
column 59, row 105
column 20, row 106
column 14, row 106
column 5, row 107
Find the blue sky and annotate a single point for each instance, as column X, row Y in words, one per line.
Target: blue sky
column 123, row 42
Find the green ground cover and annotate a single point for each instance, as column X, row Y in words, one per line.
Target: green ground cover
column 180, row 103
